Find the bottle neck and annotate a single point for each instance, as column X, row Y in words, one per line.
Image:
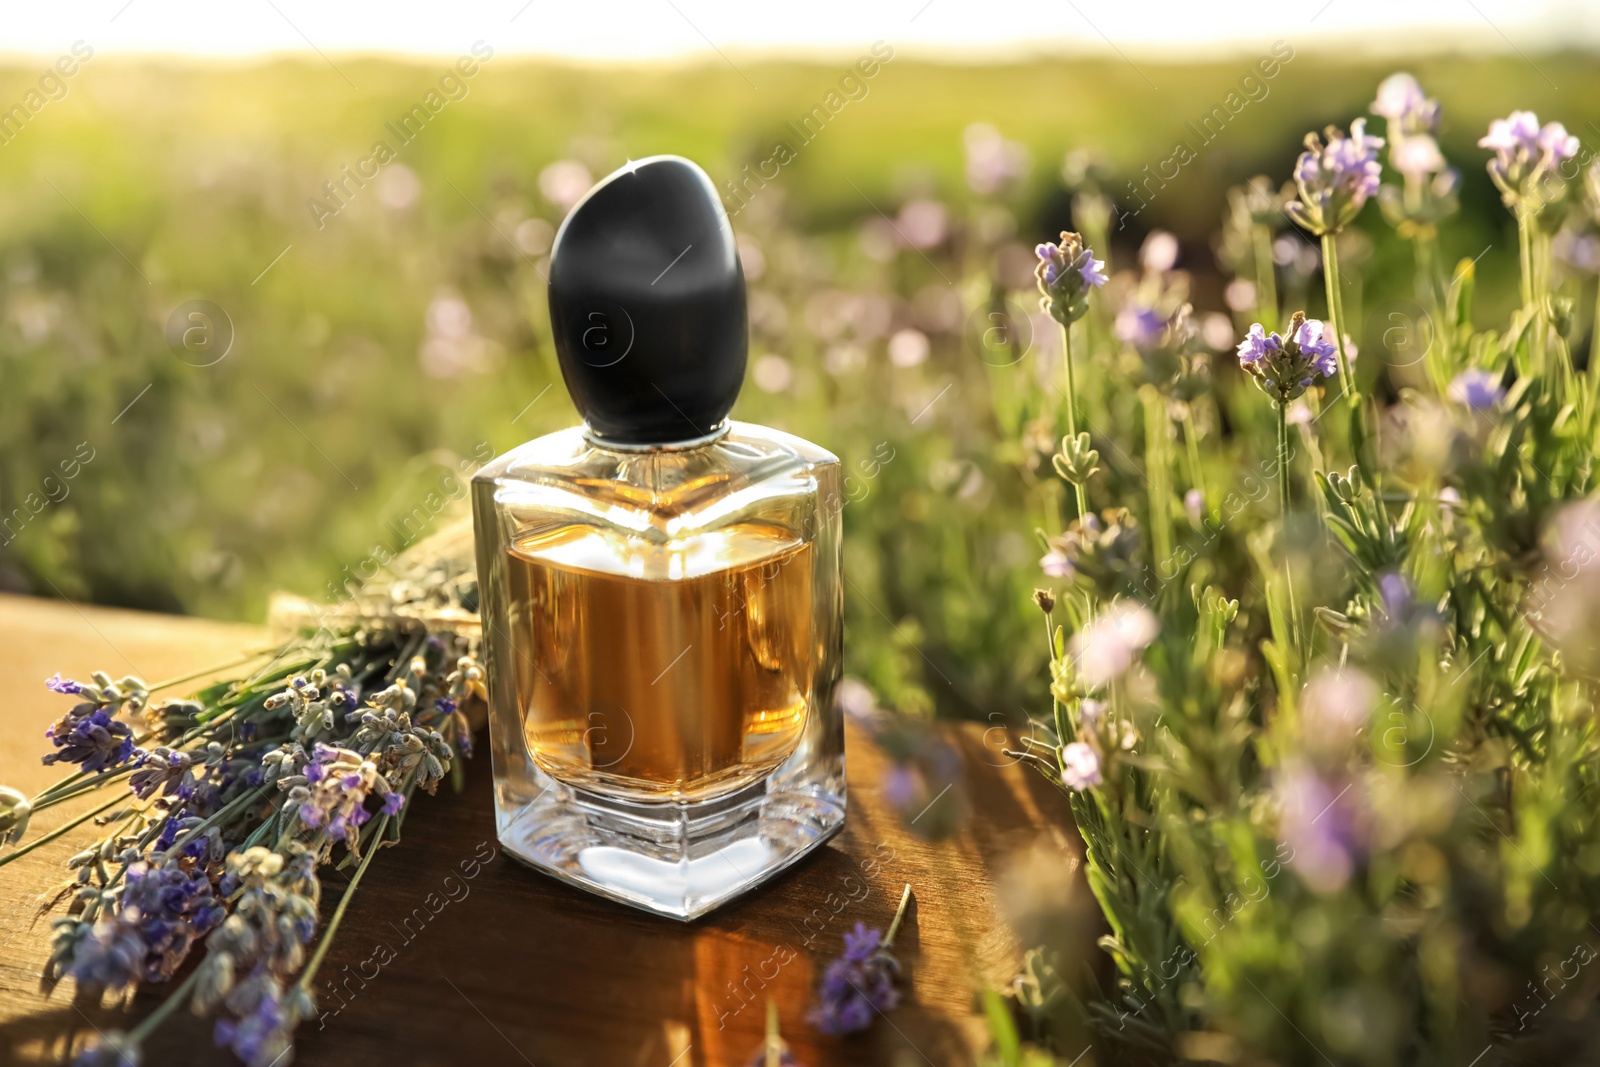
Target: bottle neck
column 611, row 445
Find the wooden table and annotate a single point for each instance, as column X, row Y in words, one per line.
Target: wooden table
column 510, row 967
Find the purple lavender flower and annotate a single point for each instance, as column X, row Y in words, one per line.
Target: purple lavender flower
column 857, row 984
column 1056, row 564
column 58, row 684
column 1258, row 344
column 1558, row 145
column 91, row 738
column 261, row 1035
column 1477, row 390
column 1284, row 369
column 1092, row 272
column 1396, row 594
column 338, row 782
column 1052, row 264
column 169, row 907
column 161, row 770
column 1520, row 133
column 158, row 913
column 1322, row 821
column 1066, row 273
column 1080, row 767
column 1139, row 326
column 1323, row 353
column 1524, row 151
column 111, row 957
column 1402, row 101
column 1335, row 178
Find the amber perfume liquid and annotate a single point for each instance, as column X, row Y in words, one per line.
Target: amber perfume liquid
column 661, row 672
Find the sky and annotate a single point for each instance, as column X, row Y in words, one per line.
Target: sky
column 671, row 30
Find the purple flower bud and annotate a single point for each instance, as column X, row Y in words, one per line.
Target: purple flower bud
column 1258, row 344
column 1402, row 102
column 1080, row 767
column 1284, row 369
column 1324, row 354
column 1323, row 822
column 91, row 738
column 1091, row 272
column 1139, row 326
column 1477, row 389
column 1056, row 564
column 59, row 684
column 1335, row 178
column 1066, row 273
column 857, row 985
column 1524, row 151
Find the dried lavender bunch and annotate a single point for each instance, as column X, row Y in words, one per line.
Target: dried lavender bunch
column 223, row 807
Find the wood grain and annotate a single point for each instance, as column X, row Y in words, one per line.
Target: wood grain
column 453, row 953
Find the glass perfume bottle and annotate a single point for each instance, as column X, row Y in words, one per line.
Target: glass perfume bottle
column 660, row 587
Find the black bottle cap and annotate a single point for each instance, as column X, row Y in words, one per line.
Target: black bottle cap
column 647, row 305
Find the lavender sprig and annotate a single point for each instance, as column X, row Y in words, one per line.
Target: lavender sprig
column 1067, row 273
column 774, row 1050
column 863, row 981
column 1335, row 178
column 1285, row 367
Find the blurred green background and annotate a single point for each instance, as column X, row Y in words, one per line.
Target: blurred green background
column 373, row 354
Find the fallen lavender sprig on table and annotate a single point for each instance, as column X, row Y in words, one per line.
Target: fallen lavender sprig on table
column 774, row 1051
column 863, row 982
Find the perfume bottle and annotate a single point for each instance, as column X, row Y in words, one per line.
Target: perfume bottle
column 660, row 587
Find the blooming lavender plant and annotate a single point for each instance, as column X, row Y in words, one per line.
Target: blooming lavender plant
column 1285, row 367
column 1527, row 169
column 1335, row 178
column 1067, row 272
column 1524, row 154
column 1409, row 110
column 1306, row 801
column 1427, row 190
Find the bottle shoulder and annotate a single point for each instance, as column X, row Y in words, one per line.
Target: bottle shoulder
column 750, row 471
